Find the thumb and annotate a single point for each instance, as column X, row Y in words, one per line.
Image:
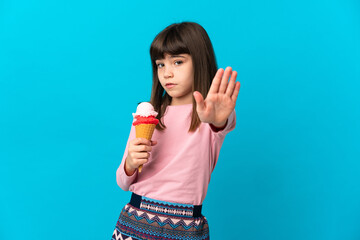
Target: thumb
column 199, row 99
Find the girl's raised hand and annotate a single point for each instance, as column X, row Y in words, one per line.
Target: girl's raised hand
column 220, row 100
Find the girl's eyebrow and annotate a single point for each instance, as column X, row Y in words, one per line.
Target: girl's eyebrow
column 171, row 56
column 175, row 56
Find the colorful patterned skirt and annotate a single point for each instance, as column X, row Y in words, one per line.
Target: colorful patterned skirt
column 146, row 218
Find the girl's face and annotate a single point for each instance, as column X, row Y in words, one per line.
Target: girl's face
column 176, row 75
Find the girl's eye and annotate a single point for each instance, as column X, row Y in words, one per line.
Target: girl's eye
column 159, row 65
column 178, row 62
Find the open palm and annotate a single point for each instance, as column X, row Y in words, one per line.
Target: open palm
column 220, row 100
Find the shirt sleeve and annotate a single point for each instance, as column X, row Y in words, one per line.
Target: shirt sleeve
column 123, row 180
column 219, row 136
column 230, row 125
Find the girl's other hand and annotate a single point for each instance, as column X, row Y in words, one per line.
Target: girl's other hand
column 220, row 100
column 138, row 154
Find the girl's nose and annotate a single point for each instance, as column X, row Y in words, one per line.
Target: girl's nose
column 168, row 72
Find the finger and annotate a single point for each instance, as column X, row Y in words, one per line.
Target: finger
column 141, row 161
column 236, row 92
column 231, row 86
column 141, row 155
column 199, row 99
column 142, row 148
column 141, row 141
column 225, row 79
column 153, row 143
column 214, row 88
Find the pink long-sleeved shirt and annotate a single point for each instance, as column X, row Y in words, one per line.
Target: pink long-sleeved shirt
column 181, row 163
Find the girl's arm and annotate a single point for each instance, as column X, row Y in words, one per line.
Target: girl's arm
column 124, row 180
column 136, row 153
column 220, row 100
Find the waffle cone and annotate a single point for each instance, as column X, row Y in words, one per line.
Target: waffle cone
column 145, row 130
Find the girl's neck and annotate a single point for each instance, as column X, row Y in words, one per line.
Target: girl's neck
column 179, row 105
column 178, row 102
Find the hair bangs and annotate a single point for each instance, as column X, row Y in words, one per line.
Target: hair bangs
column 168, row 42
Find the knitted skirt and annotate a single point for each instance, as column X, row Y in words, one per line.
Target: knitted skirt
column 146, row 218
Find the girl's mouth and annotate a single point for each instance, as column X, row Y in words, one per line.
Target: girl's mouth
column 170, row 85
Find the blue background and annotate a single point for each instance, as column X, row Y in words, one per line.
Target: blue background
column 72, row 72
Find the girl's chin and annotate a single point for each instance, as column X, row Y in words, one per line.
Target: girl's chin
column 179, row 96
column 171, row 94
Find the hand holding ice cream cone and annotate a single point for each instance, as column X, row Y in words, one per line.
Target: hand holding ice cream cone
column 145, row 122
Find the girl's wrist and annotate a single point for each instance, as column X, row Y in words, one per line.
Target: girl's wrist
column 218, row 127
column 129, row 171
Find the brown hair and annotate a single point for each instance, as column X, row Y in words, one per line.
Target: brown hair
column 183, row 38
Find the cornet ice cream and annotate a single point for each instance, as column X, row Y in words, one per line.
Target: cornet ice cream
column 145, row 121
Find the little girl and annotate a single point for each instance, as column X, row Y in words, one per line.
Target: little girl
column 167, row 194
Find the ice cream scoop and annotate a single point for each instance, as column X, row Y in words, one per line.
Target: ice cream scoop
column 145, row 109
column 145, row 122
